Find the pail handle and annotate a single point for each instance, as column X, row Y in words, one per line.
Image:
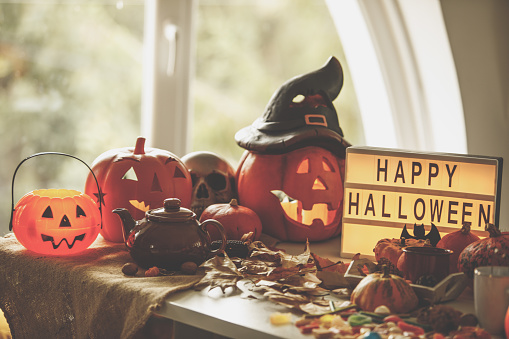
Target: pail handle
column 100, row 196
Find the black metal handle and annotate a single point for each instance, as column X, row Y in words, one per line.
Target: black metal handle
column 55, row 153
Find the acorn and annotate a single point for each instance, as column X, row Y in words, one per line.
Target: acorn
column 130, row 269
column 189, row 268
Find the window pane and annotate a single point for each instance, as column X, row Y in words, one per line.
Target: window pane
column 245, row 51
column 70, row 81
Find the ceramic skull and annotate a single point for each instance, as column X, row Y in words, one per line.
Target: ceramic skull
column 213, row 180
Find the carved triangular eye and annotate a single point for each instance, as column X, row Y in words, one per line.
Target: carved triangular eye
column 303, row 167
column 130, row 175
column 80, row 212
column 178, row 173
column 48, row 213
column 156, row 187
column 327, row 166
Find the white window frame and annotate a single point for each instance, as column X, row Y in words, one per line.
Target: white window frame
column 403, row 72
column 168, row 68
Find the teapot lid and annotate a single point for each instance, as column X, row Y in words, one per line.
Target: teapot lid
column 170, row 212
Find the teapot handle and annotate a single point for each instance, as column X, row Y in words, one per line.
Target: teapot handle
column 221, row 230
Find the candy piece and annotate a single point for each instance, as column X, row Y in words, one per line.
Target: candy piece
column 338, row 322
column 406, row 327
column 326, row 320
column 323, row 333
column 280, row 318
column 371, row 335
column 358, row 320
column 152, row 272
column 307, row 329
column 382, row 309
column 393, row 318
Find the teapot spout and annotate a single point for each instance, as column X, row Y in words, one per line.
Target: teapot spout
column 128, row 222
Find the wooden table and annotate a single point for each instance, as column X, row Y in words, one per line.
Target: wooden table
column 214, row 315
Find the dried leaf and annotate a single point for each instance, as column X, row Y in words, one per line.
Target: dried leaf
column 324, row 264
column 219, row 272
column 332, row 280
column 315, row 307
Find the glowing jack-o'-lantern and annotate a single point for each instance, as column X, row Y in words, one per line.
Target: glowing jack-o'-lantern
column 298, row 195
column 138, row 179
column 55, row 221
column 292, row 172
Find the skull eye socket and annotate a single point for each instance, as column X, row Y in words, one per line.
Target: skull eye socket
column 130, row 175
column 216, row 181
column 80, row 212
column 194, row 178
column 48, row 213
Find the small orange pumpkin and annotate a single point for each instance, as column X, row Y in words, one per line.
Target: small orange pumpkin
column 377, row 289
column 491, row 251
column 236, row 220
column 456, row 242
column 393, row 248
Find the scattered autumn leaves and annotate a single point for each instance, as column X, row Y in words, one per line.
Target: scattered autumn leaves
column 295, row 281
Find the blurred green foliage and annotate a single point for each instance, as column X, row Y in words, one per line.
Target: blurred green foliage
column 71, row 79
column 246, row 50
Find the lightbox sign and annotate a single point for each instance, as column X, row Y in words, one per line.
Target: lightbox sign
column 386, row 189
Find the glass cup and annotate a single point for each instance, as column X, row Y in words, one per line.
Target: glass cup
column 491, row 297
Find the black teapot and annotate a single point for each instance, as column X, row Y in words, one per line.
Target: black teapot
column 168, row 236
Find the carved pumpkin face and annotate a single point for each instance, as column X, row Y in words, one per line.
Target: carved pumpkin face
column 298, row 195
column 137, row 179
column 56, row 221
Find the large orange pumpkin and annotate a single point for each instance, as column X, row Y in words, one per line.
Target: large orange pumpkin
column 377, row 289
column 138, row 179
column 297, row 195
column 456, row 242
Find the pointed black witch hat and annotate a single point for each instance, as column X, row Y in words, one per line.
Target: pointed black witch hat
column 299, row 114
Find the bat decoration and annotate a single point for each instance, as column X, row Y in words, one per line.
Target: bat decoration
column 420, row 233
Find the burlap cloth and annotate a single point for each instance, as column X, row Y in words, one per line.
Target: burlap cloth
column 82, row 296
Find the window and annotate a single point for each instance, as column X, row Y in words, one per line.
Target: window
column 75, row 78
column 70, row 75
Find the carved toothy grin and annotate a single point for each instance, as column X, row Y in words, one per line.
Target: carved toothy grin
column 55, row 246
column 293, row 210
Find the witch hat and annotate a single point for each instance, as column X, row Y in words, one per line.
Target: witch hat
column 299, row 114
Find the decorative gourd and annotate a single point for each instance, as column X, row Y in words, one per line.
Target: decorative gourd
column 456, row 242
column 491, row 251
column 236, row 220
column 138, row 179
column 297, row 195
column 378, row 289
column 393, row 248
